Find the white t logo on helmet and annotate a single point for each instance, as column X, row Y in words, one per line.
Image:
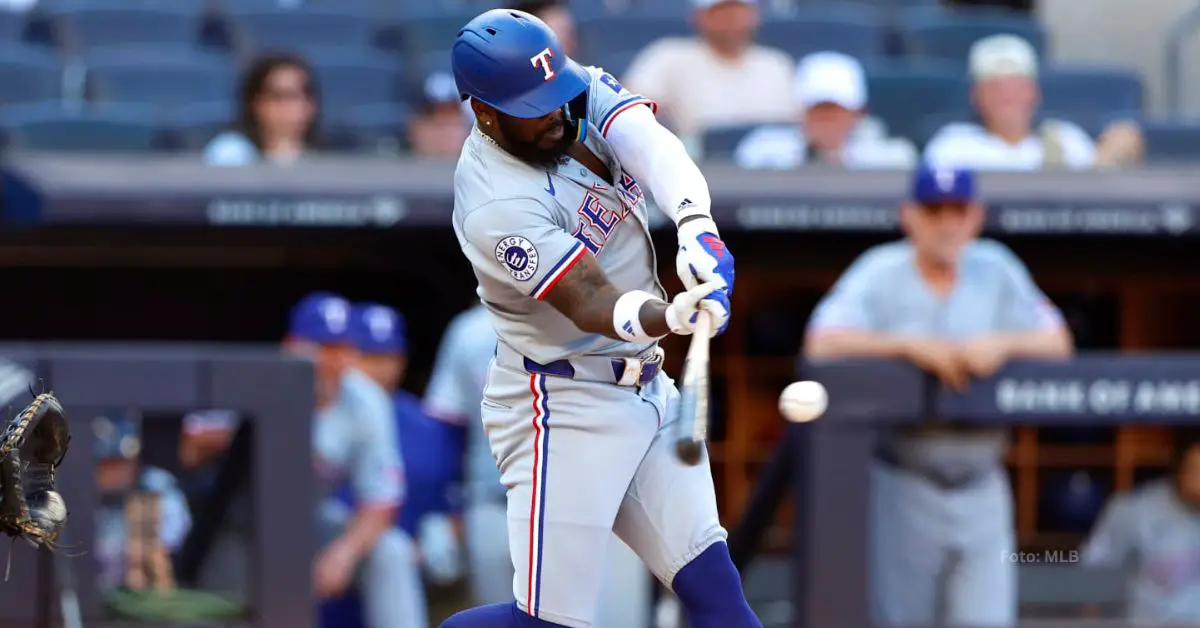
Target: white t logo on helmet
column 542, row 60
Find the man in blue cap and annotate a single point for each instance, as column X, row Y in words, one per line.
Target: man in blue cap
column 958, row 307
column 354, row 438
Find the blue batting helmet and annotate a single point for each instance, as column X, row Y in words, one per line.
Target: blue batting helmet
column 512, row 61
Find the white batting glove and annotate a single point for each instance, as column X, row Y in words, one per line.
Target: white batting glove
column 710, row 297
column 702, row 255
column 439, row 549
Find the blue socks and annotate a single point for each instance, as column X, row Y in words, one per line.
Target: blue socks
column 710, row 590
column 496, row 616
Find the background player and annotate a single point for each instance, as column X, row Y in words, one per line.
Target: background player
column 355, row 440
column 454, row 395
column 550, row 213
column 960, row 308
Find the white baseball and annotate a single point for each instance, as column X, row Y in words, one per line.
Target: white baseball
column 802, row 402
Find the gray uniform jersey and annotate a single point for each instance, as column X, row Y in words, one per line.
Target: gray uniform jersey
column 1151, row 530
column 455, row 392
column 883, row 292
column 355, row 439
column 523, row 228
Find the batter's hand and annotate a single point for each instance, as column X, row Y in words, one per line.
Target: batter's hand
column 702, row 254
column 710, row 297
column 942, row 359
column 984, row 356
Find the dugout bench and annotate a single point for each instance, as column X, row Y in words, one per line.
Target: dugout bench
column 274, row 394
column 830, row 459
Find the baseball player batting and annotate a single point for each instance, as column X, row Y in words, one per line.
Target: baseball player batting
column 549, row 211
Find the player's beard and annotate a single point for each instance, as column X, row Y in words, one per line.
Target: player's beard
column 532, row 152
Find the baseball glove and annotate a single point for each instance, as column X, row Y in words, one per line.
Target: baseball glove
column 31, row 448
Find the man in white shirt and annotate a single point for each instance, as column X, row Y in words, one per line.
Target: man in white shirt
column 831, row 93
column 719, row 78
column 1004, row 70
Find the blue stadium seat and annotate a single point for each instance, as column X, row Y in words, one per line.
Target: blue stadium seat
column 1172, row 141
column 433, row 61
column 1099, row 89
column 372, row 127
column 352, row 79
column 12, row 25
column 606, row 35
column 28, row 74
column 905, row 97
column 301, row 28
column 193, row 125
column 943, row 35
column 720, row 143
column 170, row 78
column 858, row 34
column 87, row 28
column 436, row 32
column 617, row 62
column 191, row 7
column 49, row 127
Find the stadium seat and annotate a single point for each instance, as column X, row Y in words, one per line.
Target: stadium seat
column 859, row 34
column 1172, row 141
column 606, row 35
column 87, row 28
column 301, row 28
column 192, row 7
column 346, row 81
column 433, row 61
column 51, row 128
column 28, row 74
column 720, row 143
column 904, row 97
column 436, row 32
column 617, row 62
column 1097, row 89
column 943, row 35
column 371, row 127
column 12, row 26
column 192, row 126
column 169, row 79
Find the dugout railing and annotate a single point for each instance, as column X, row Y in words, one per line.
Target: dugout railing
column 831, row 458
column 273, row 393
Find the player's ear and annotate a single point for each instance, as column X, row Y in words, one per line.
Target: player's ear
column 485, row 114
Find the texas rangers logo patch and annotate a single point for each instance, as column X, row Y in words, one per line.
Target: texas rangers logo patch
column 519, row 256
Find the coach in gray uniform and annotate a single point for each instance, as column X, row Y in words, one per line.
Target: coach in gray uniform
column 958, row 307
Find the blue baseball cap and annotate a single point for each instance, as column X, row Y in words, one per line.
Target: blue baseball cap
column 943, row 185
column 321, row 317
column 377, row 328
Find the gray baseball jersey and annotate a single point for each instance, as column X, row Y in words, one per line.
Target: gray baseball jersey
column 356, row 438
column 523, row 228
column 924, row 538
column 1154, row 533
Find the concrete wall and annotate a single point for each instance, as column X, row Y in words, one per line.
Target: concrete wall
column 1128, row 33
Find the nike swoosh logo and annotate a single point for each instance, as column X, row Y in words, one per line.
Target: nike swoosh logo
column 549, row 184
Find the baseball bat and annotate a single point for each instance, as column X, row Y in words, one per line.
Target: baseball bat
column 692, row 423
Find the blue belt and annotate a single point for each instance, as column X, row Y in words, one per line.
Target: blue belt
column 596, row 368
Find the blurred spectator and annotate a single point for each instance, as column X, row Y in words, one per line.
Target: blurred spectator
column 1006, row 95
column 557, row 16
column 958, row 307
column 354, row 438
column 1153, row 532
column 117, row 446
column 440, row 126
column 721, row 77
column 831, row 93
column 277, row 115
